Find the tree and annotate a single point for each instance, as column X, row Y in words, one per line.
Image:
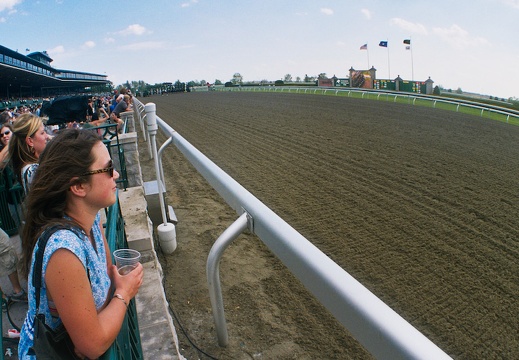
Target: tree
column 322, row 76
column 298, row 79
column 237, row 79
column 217, row 82
column 436, row 90
column 288, row 78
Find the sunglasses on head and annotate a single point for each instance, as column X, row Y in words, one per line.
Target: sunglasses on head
column 109, row 170
column 7, row 132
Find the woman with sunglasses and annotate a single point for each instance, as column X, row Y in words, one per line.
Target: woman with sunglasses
column 81, row 289
column 5, row 134
column 27, row 142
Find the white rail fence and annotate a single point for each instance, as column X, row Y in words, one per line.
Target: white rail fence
column 383, row 332
column 411, row 98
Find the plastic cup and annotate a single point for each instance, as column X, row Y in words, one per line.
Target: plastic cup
column 126, row 260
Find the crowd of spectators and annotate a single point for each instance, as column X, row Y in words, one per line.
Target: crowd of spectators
column 101, row 108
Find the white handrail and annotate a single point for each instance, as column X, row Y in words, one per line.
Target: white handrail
column 383, row 332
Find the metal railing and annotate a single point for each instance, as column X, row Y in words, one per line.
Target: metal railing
column 410, row 98
column 383, row 332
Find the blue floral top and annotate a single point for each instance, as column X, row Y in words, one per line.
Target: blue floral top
column 95, row 265
column 28, row 172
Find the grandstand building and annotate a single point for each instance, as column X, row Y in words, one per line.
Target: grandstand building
column 28, row 76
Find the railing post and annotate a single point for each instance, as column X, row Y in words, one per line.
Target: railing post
column 166, row 231
column 213, row 274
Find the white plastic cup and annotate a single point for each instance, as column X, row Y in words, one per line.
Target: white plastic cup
column 126, row 260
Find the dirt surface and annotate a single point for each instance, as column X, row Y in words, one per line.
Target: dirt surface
column 420, row 205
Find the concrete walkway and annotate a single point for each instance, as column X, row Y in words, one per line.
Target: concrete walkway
column 158, row 335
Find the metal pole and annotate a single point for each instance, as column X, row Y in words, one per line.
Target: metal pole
column 166, row 230
column 151, row 120
column 213, row 275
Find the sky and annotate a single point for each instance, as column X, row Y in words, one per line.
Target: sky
column 467, row 44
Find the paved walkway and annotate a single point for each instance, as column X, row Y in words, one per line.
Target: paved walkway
column 158, row 336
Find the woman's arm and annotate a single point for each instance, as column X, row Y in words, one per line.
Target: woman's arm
column 68, row 286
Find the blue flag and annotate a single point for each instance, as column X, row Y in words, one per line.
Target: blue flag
column 383, row 44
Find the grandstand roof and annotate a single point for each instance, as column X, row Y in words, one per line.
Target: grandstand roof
column 30, row 75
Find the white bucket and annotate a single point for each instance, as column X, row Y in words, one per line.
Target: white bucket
column 167, row 237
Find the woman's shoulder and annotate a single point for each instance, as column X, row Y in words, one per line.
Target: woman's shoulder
column 70, row 239
column 29, row 168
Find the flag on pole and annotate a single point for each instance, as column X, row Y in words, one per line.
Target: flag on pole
column 407, row 41
column 408, row 48
column 383, row 44
column 27, row 50
column 364, row 47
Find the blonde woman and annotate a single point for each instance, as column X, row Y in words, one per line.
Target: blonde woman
column 27, row 142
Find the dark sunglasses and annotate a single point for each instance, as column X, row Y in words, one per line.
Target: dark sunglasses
column 109, row 170
column 7, row 132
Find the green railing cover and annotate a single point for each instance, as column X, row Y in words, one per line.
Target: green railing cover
column 128, row 343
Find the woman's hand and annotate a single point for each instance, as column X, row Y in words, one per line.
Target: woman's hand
column 127, row 285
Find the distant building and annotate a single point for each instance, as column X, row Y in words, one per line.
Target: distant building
column 33, row 76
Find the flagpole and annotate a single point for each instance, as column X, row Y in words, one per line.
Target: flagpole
column 388, row 66
column 367, row 53
column 409, row 46
column 412, row 62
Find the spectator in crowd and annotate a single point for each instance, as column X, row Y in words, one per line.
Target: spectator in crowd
column 8, row 256
column 27, row 142
column 6, row 131
column 37, row 111
column 5, row 117
column 8, row 266
column 121, row 106
column 90, row 110
column 81, row 288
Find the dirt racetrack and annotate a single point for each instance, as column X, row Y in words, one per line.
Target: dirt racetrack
column 420, row 205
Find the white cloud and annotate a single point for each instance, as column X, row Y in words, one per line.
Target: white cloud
column 146, row 45
column 366, row 13
column 327, row 11
column 2, row 20
column 459, row 37
column 512, row 3
column 8, row 4
column 183, row 47
column 109, row 40
column 134, row 29
column 89, row 44
column 188, row 4
column 60, row 49
column 415, row 28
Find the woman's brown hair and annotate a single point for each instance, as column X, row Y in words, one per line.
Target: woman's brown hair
column 65, row 158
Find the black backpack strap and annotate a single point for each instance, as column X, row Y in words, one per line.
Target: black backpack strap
column 38, row 262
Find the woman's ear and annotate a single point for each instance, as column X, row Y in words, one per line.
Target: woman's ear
column 77, row 187
column 29, row 141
